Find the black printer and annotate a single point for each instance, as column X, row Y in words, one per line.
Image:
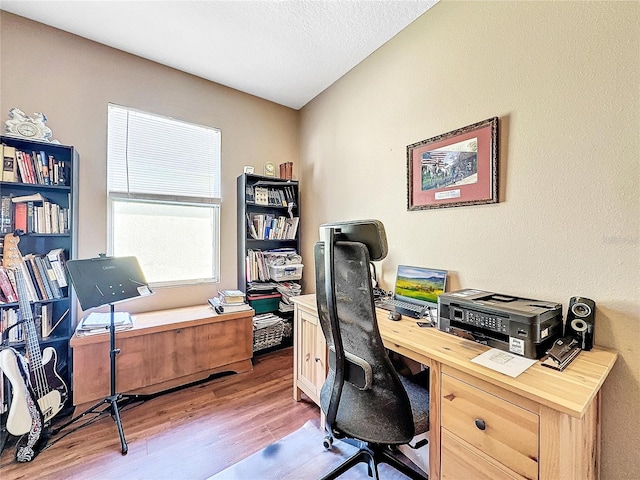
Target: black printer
column 518, row 325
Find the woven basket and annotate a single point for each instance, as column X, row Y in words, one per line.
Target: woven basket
column 267, row 336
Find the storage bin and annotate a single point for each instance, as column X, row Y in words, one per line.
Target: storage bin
column 282, row 273
column 266, row 337
column 262, row 304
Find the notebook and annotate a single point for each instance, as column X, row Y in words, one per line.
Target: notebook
column 416, row 291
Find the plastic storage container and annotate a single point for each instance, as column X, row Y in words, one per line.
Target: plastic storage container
column 282, row 273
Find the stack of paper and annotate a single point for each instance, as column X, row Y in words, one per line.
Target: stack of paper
column 97, row 322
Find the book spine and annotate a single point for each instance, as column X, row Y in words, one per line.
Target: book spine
column 43, row 276
column 20, row 217
column 5, row 214
column 51, row 276
column 8, row 163
column 6, row 286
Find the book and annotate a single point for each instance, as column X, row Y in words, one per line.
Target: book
column 51, row 276
column 44, row 167
column 35, row 197
column 44, row 276
column 219, row 307
column 36, row 279
column 57, row 259
column 8, row 163
column 20, row 217
column 6, row 286
column 231, row 296
column 6, row 221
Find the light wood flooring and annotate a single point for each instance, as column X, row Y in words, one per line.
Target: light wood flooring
column 190, row 433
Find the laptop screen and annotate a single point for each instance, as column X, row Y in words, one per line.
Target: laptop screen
column 420, row 285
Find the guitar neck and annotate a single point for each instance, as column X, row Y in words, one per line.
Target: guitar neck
column 31, row 337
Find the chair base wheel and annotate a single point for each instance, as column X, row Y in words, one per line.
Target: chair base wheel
column 327, row 442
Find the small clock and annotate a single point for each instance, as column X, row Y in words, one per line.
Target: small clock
column 270, row 169
column 20, row 124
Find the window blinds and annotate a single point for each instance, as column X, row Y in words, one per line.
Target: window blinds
column 154, row 155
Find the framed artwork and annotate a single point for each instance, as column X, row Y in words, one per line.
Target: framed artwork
column 454, row 169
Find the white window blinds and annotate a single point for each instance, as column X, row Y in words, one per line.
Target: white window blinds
column 154, row 155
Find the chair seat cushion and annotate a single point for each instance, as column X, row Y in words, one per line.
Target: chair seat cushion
column 419, row 398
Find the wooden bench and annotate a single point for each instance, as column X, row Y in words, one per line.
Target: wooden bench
column 164, row 349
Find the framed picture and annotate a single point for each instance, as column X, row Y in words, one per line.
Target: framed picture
column 454, row 169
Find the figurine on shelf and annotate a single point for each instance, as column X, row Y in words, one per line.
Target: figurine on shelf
column 21, row 125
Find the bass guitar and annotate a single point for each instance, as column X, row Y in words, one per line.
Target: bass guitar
column 49, row 389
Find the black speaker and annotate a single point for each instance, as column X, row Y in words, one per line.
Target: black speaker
column 581, row 321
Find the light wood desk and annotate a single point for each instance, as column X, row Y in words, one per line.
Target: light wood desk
column 543, row 424
column 163, row 350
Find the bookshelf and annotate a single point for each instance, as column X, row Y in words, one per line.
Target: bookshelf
column 47, row 182
column 269, row 265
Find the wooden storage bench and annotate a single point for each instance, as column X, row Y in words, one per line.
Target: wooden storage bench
column 164, row 349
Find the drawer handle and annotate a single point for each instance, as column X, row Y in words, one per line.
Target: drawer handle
column 480, row 424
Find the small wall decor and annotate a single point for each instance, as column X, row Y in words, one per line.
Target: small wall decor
column 21, row 125
column 454, row 169
column 270, row 169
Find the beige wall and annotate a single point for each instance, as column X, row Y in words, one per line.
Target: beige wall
column 564, row 79
column 72, row 80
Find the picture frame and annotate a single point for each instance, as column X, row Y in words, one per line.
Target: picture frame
column 454, row 169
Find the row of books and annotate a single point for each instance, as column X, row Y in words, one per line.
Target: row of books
column 283, row 196
column 44, row 276
column 270, row 227
column 33, row 167
column 257, row 263
column 43, row 318
column 38, row 215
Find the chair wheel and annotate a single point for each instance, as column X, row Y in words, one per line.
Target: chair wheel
column 327, row 442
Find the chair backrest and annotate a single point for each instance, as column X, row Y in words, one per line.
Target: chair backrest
column 362, row 396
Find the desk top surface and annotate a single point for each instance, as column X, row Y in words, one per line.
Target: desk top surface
column 570, row 391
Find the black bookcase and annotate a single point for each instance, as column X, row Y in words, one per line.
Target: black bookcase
column 59, row 189
column 281, row 201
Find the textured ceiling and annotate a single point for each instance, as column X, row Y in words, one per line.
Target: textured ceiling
column 284, row 51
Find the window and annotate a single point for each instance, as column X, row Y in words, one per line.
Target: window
column 163, row 186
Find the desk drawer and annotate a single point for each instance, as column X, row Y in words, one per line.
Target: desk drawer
column 461, row 462
column 502, row 430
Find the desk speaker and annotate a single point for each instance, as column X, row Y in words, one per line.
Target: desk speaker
column 581, row 321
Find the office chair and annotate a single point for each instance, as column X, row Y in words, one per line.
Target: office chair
column 363, row 397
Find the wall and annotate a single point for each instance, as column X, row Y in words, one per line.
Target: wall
column 564, row 79
column 72, row 80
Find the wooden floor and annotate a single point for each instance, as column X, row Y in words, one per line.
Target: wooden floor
column 190, row 433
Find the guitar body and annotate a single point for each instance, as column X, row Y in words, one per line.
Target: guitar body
column 19, row 418
column 50, row 402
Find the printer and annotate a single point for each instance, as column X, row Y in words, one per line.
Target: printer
column 518, row 325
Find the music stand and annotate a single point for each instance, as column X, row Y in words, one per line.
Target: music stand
column 106, row 281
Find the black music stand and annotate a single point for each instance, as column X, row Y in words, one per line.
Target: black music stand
column 106, row 281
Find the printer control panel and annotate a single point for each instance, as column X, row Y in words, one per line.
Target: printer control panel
column 481, row 320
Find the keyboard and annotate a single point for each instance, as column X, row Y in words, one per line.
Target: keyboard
column 392, row 302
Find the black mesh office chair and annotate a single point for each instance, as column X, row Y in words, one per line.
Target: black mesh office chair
column 363, row 397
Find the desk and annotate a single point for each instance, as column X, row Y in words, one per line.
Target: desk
column 543, row 424
column 163, row 350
